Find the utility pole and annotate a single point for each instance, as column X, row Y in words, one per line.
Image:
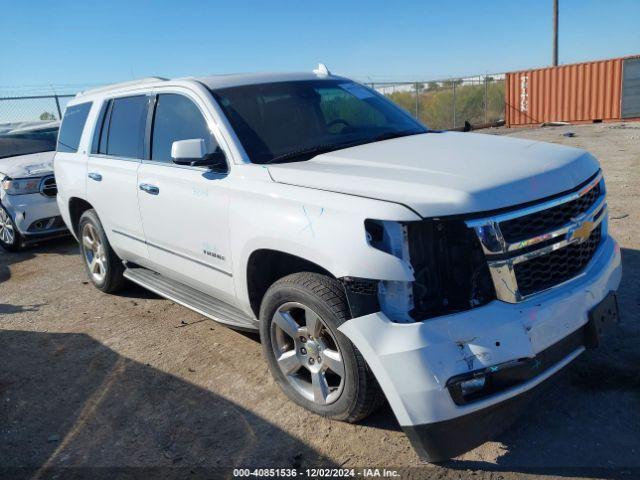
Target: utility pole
column 555, row 33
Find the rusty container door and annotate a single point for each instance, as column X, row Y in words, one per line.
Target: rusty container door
column 580, row 92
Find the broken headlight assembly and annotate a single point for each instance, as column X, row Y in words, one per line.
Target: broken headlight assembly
column 449, row 267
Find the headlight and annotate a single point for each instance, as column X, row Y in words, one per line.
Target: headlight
column 21, row 186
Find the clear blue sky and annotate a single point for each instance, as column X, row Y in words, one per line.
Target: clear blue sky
column 85, row 42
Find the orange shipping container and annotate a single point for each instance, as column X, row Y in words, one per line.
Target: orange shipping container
column 581, row 92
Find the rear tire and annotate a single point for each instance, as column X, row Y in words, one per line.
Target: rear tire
column 10, row 237
column 104, row 268
column 311, row 360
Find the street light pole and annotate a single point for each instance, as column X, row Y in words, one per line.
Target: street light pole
column 555, row 33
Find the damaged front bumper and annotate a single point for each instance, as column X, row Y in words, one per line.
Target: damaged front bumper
column 416, row 364
column 35, row 215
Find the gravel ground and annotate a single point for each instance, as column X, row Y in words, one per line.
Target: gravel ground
column 133, row 380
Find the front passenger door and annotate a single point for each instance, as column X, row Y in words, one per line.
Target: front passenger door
column 185, row 209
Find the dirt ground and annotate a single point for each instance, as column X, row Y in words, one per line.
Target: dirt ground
column 132, row 380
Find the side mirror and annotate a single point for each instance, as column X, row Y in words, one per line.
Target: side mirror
column 193, row 152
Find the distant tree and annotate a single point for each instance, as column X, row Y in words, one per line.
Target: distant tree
column 47, row 116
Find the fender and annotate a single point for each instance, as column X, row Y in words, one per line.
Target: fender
column 322, row 227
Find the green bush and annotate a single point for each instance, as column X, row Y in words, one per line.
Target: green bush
column 435, row 104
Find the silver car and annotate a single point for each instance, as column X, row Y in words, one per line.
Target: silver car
column 28, row 209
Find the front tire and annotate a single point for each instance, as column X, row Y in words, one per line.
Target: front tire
column 103, row 266
column 311, row 360
column 10, row 237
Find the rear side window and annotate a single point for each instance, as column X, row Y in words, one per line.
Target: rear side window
column 102, row 146
column 127, row 126
column 177, row 118
column 72, row 125
column 100, row 121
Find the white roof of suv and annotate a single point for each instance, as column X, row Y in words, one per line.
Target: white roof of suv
column 236, row 80
column 218, row 81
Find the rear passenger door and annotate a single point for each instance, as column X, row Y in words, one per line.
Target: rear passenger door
column 112, row 169
column 185, row 209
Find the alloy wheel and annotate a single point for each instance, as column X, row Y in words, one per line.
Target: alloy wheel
column 94, row 253
column 307, row 353
column 7, row 234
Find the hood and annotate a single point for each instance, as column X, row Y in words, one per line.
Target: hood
column 448, row 173
column 32, row 165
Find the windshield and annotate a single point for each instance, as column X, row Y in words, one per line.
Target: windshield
column 293, row 121
column 24, row 142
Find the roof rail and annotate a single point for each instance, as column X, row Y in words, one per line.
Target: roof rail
column 115, row 86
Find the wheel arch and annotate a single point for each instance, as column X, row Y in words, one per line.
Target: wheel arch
column 265, row 266
column 77, row 206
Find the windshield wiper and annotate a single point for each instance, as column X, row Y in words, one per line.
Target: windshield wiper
column 390, row 135
column 315, row 150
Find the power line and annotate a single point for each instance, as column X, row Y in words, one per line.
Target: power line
column 555, row 33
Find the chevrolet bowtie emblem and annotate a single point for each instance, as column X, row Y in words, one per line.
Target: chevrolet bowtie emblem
column 581, row 232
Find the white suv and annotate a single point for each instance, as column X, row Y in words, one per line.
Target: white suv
column 448, row 272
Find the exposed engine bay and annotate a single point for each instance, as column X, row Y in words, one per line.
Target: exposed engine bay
column 450, row 269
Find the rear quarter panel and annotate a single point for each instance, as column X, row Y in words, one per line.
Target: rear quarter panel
column 70, row 168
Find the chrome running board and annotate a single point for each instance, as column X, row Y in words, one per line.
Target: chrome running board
column 191, row 298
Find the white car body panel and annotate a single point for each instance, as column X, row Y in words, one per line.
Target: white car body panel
column 310, row 224
column 181, row 244
column 24, row 166
column 27, row 209
column 71, row 169
column 115, row 196
column 438, row 174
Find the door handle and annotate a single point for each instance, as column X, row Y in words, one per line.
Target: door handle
column 152, row 189
column 95, row 176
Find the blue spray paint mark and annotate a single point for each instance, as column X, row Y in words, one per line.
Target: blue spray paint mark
column 309, row 224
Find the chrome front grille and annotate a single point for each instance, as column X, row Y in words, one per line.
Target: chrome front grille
column 545, row 271
column 537, row 223
column 48, row 186
column 541, row 246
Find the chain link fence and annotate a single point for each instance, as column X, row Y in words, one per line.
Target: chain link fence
column 27, row 109
column 450, row 103
column 440, row 104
